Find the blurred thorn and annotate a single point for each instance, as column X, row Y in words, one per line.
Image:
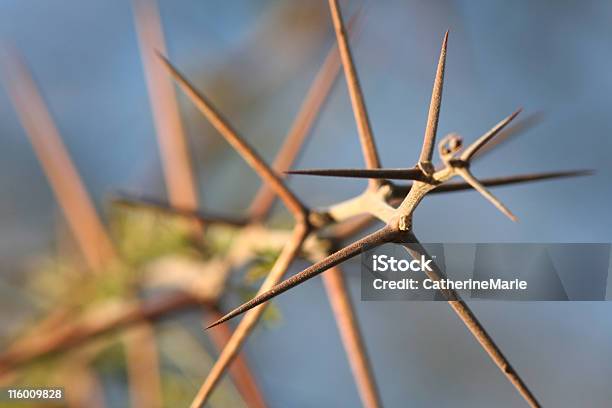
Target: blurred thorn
column 350, row 334
column 70, row 192
column 518, row 127
column 128, row 200
column 473, row 148
column 142, row 363
column 173, row 145
column 82, row 383
column 240, row 371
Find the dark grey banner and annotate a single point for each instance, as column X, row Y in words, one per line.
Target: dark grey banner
column 503, row 271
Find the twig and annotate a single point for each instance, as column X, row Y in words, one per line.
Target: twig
column 91, row 326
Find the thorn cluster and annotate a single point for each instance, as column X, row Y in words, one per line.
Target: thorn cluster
column 376, row 202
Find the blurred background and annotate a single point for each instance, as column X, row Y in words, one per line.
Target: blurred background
column 255, row 60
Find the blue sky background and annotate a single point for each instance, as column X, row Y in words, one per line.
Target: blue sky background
column 549, row 56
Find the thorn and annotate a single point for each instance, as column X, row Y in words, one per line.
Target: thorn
column 62, row 175
column 364, row 128
column 519, row 126
column 395, row 174
column 518, row 179
column 482, row 140
column 238, row 143
column 434, row 110
column 170, row 133
column 400, row 191
column 467, row 176
column 214, row 324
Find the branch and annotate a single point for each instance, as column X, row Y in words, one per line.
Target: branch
column 142, row 366
column 76, row 333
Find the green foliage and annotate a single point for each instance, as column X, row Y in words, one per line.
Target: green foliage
column 141, row 236
column 262, row 265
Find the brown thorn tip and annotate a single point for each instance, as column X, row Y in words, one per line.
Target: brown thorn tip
column 483, row 140
column 516, row 113
column 214, row 324
column 159, row 54
column 166, row 62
